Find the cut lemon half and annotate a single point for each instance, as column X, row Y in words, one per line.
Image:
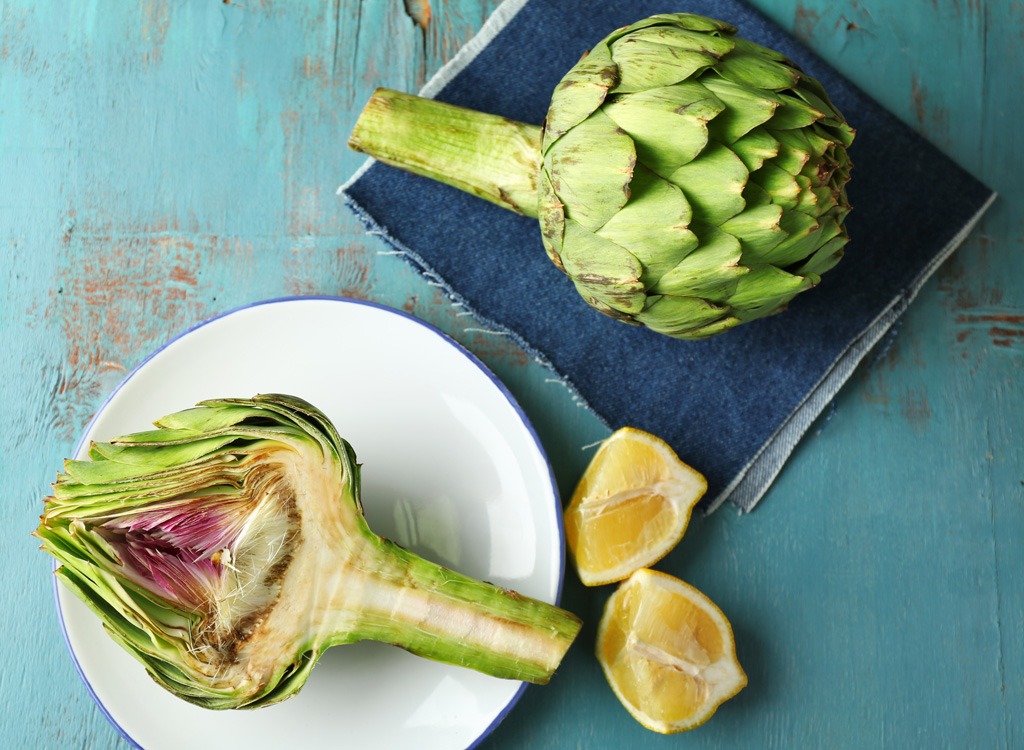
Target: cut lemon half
column 668, row 652
column 631, row 507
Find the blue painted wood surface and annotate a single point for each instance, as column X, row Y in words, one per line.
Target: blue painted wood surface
column 162, row 162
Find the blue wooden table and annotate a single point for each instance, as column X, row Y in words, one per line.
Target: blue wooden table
column 161, row 162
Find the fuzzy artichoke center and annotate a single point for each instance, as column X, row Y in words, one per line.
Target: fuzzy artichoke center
column 246, row 564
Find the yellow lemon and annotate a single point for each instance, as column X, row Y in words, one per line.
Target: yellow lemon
column 631, row 507
column 668, row 652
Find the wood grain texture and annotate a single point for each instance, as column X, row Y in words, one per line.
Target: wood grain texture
column 163, row 162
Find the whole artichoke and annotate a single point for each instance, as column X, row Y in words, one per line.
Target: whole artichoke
column 685, row 179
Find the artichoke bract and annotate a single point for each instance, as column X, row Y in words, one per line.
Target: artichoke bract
column 227, row 549
column 685, row 179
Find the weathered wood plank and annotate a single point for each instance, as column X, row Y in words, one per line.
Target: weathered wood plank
column 163, row 162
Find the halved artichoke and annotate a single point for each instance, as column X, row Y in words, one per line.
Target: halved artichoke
column 227, row 549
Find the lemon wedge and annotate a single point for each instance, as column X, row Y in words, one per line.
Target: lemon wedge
column 630, row 508
column 667, row 652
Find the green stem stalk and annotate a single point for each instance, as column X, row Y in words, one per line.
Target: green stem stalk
column 491, row 157
column 434, row 612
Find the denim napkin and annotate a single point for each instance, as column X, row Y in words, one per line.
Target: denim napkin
column 733, row 406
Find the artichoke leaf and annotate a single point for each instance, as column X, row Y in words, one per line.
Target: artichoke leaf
column 673, row 35
column 804, row 238
column 817, row 201
column 107, row 603
column 755, row 195
column 798, row 230
column 157, row 457
column 85, row 473
column 68, row 488
column 824, row 172
column 668, row 124
column 835, row 134
column 658, row 244
column 608, row 272
column 710, row 271
column 109, row 505
column 753, row 48
column 590, row 168
column 824, row 258
column 813, row 140
column 579, row 93
column 794, row 113
column 757, row 229
column 675, row 315
column 779, row 184
column 63, row 543
column 755, row 148
column 745, row 108
column 642, row 64
column 201, row 419
column 159, row 437
column 552, row 219
column 602, row 302
column 791, row 158
column 765, row 290
column 713, row 329
column 177, row 436
column 713, row 184
column 828, row 202
column 844, row 134
column 690, row 21
column 810, row 95
column 749, row 69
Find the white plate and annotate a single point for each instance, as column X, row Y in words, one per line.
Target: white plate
column 451, row 469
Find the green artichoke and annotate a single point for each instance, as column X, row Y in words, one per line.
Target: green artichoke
column 685, row 179
column 227, row 549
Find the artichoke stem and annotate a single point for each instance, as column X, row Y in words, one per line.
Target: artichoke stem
column 434, row 612
column 485, row 155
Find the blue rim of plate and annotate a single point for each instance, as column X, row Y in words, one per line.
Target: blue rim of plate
column 559, row 525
